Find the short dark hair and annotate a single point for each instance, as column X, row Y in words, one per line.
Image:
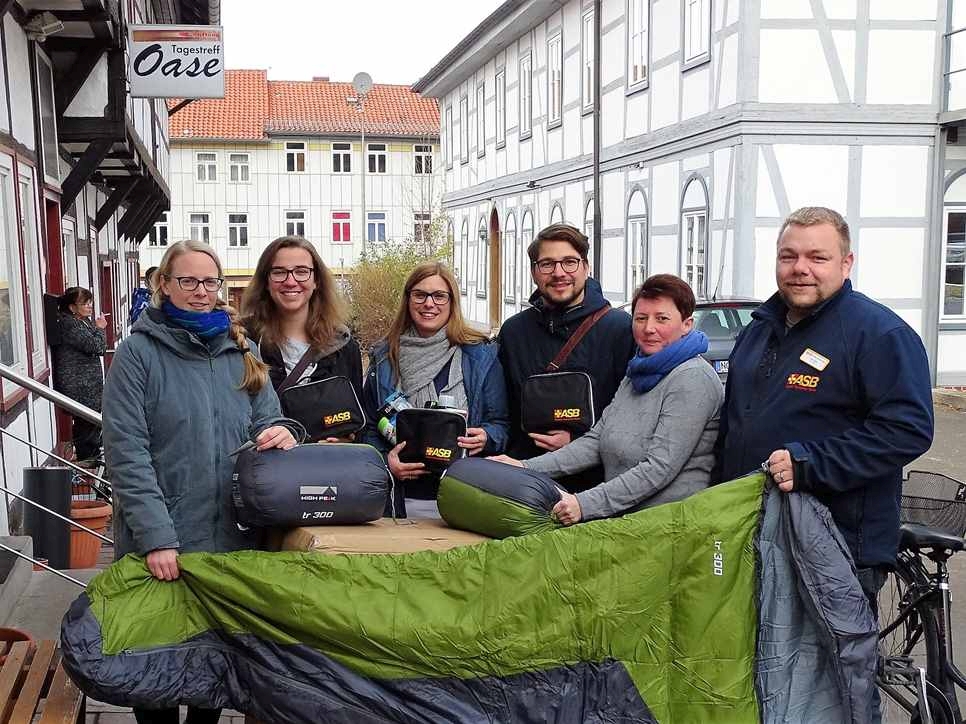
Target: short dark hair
column 670, row 286
column 559, row 232
column 73, row 295
column 149, row 277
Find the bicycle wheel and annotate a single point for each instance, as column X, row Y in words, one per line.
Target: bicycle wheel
column 910, row 633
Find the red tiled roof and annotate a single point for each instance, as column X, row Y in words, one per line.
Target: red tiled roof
column 255, row 107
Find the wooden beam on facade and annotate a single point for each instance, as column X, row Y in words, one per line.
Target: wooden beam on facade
column 120, row 192
column 174, row 109
column 146, row 212
column 70, row 84
column 148, row 221
column 5, row 6
column 78, row 129
column 82, row 171
column 144, row 197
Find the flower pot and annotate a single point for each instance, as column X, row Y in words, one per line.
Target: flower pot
column 10, row 636
column 83, row 546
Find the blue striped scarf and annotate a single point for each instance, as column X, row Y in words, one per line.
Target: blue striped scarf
column 204, row 324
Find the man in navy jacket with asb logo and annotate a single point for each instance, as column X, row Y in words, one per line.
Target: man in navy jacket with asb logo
column 826, row 377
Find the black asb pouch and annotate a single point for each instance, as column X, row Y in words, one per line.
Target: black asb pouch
column 557, row 401
column 430, row 436
column 327, row 408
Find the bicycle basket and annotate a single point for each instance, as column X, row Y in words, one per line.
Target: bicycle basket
column 935, row 501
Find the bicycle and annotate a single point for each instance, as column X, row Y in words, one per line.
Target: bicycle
column 916, row 669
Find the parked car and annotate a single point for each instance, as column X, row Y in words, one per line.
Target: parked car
column 722, row 320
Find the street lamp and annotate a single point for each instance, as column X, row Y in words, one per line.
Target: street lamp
column 362, row 83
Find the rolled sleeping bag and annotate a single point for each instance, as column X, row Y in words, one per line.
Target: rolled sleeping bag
column 496, row 499
column 316, row 484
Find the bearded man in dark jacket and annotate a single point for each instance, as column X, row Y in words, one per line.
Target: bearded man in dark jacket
column 565, row 296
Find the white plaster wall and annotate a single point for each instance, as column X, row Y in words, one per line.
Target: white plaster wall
column 889, row 262
column 892, row 78
column 949, row 358
column 894, row 180
column 798, row 54
column 813, row 175
column 18, row 66
column 764, row 261
column 92, row 97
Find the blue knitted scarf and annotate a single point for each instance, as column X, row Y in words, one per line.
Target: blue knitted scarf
column 206, row 325
column 646, row 371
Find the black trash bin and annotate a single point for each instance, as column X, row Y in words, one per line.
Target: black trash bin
column 50, row 487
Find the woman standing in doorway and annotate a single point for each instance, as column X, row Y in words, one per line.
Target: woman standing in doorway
column 77, row 364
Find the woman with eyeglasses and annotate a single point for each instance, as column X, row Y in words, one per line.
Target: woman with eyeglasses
column 184, row 391
column 295, row 311
column 431, row 351
column 77, row 365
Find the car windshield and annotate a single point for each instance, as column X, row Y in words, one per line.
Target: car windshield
column 721, row 323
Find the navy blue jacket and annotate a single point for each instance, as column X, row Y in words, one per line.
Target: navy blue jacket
column 854, row 423
column 531, row 339
column 482, row 380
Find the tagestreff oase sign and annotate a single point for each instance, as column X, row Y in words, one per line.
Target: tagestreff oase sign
column 176, row 61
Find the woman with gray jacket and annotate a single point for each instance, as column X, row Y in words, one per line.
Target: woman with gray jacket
column 656, row 437
column 183, row 392
column 77, row 364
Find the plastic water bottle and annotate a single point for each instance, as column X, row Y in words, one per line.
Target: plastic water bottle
column 387, row 415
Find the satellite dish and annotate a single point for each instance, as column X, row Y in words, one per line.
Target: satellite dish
column 362, row 82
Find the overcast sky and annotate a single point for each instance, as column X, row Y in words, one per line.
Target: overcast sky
column 393, row 41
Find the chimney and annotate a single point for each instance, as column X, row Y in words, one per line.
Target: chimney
column 320, row 79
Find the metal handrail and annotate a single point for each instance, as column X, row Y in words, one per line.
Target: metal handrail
column 72, row 406
column 85, row 471
column 54, row 513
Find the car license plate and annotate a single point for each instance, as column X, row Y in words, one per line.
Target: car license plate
column 721, row 366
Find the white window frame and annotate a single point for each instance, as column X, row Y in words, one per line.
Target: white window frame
column 375, row 220
column 203, row 232
column 295, row 157
column 341, row 157
column 422, row 152
column 695, row 33
column 638, row 44
column 482, row 258
column 237, row 230
column 160, row 233
column 526, row 97
column 499, row 89
column 526, row 238
column 462, row 268
column 587, row 61
column 377, row 154
column 422, row 226
column 637, row 247
column 449, row 137
column 464, row 129
column 960, row 316
column 206, row 169
column 509, row 245
column 480, row 119
column 239, row 168
column 589, row 226
column 343, row 220
column 554, row 80
column 295, row 222
column 34, row 262
column 694, row 239
column 15, row 296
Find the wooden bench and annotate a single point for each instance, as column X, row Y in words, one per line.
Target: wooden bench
column 33, row 681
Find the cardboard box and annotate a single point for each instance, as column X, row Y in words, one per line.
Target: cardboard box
column 406, row 535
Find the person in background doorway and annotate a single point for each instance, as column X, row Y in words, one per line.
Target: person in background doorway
column 292, row 308
column 566, row 295
column 431, row 351
column 184, row 391
column 141, row 297
column 77, row 365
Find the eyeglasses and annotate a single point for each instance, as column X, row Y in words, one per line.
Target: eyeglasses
column 420, row 297
column 568, row 264
column 189, row 284
column 279, row 274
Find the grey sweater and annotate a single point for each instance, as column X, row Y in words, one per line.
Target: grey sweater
column 655, row 447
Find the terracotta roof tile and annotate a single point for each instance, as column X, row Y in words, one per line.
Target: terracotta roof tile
column 255, row 107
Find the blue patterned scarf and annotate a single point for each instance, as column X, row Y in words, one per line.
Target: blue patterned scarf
column 646, row 371
column 206, row 325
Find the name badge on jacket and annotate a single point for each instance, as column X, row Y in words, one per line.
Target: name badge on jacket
column 814, row 359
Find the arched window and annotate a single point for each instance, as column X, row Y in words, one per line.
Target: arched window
column 509, row 258
column 556, row 214
column 589, row 219
column 694, row 235
column 482, row 258
column 636, row 238
column 526, row 237
column 462, row 255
